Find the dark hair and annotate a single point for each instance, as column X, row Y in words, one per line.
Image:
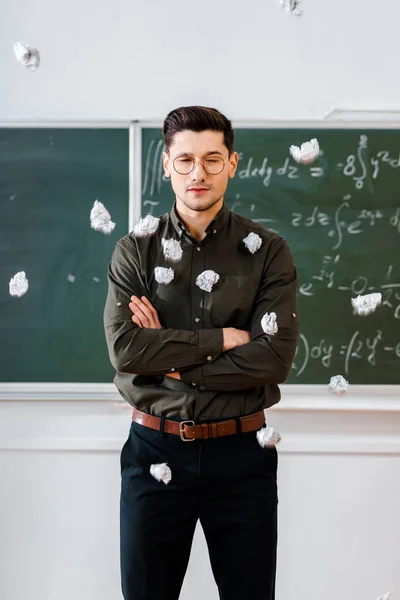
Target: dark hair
column 197, row 118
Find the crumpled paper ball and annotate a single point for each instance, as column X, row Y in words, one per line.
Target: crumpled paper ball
column 18, row 284
column 386, row 596
column 164, row 275
column 338, row 385
column 291, row 7
column 307, row 153
column 269, row 324
column 161, row 472
column 172, row 249
column 206, row 280
column 100, row 218
column 147, row 226
column 26, row 55
column 366, row 305
column 267, row 436
column 253, row 242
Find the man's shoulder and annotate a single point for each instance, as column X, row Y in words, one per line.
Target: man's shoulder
column 127, row 242
column 131, row 240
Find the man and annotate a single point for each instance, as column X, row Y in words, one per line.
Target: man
column 201, row 328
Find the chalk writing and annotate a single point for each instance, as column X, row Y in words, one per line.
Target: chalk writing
column 358, row 167
column 370, row 350
column 339, row 225
column 342, row 221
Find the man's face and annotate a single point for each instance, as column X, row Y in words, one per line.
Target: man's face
column 199, row 190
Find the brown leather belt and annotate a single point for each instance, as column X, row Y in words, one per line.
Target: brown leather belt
column 189, row 432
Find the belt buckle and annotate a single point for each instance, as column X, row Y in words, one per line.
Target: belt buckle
column 182, row 431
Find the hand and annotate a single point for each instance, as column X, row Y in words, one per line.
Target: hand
column 234, row 338
column 174, row 375
column 144, row 313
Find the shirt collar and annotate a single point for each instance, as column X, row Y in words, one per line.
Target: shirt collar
column 216, row 224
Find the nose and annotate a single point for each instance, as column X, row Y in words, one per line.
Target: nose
column 198, row 173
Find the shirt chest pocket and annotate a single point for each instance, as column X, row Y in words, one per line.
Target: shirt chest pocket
column 232, row 301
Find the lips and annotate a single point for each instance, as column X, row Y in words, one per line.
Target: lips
column 195, row 189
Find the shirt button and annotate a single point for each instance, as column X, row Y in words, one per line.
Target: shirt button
column 294, row 315
column 209, row 357
column 197, row 319
column 193, row 384
column 214, row 231
column 198, row 249
column 172, row 370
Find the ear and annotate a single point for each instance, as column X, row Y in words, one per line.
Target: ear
column 166, row 164
column 233, row 163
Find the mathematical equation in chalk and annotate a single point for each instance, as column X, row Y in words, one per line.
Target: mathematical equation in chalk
column 338, row 225
column 153, row 174
column 369, row 350
column 389, row 286
column 357, row 167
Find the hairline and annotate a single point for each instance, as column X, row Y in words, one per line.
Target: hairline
column 167, row 150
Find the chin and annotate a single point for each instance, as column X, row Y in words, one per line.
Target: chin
column 200, row 204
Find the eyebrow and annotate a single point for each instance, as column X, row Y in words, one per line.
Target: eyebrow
column 206, row 154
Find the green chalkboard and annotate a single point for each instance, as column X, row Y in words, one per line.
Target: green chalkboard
column 49, row 180
column 341, row 217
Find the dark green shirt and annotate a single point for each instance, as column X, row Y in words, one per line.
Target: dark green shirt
column 214, row 384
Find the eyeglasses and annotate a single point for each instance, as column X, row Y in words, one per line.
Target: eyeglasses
column 185, row 165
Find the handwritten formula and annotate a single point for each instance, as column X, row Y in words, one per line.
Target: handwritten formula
column 344, row 232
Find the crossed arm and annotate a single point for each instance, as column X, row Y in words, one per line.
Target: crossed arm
column 137, row 350
column 138, row 344
column 146, row 316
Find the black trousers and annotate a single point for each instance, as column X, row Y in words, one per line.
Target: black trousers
column 228, row 483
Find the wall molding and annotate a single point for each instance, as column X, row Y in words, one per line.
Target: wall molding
column 290, row 444
column 365, row 398
column 89, row 418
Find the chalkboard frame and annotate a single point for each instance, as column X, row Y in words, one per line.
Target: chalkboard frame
column 298, row 397
column 68, row 391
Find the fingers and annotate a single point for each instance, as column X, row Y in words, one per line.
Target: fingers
column 140, row 310
column 141, row 317
column 152, row 311
column 138, row 316
column 136, row 320
column 148, row 308
column 144, row 312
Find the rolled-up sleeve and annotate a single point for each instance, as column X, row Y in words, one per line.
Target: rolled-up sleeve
column 266, row 359
column 140, row 350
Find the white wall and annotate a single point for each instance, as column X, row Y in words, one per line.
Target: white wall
column 339, row 469
column 339, row 490
column 129, row 59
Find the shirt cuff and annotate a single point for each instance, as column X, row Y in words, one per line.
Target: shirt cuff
column 211, row 345
column 193, row 377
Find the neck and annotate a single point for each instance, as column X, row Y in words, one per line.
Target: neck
column 196, row 222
